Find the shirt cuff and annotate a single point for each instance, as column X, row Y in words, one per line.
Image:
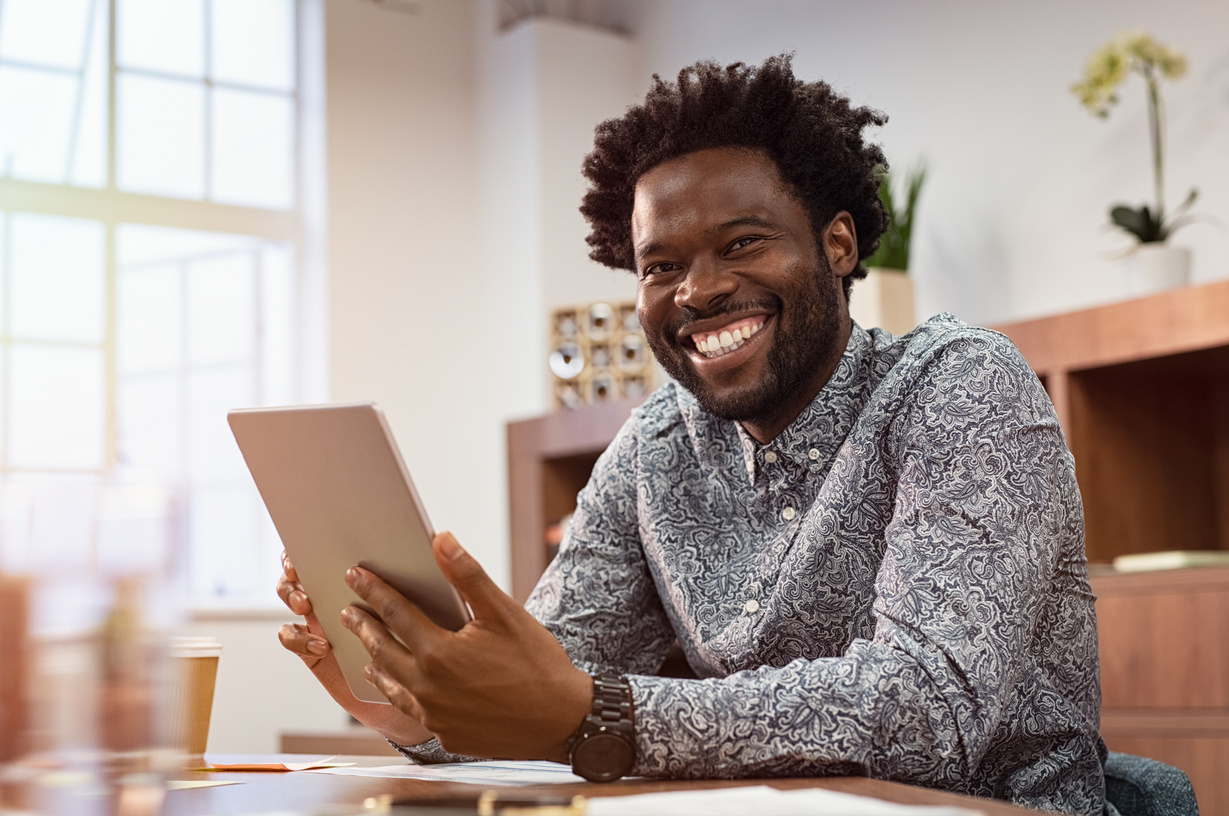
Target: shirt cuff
column 430, row 753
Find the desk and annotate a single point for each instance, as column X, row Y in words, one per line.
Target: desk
column 268, row 792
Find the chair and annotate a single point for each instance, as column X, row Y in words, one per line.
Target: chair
column 1138, row 786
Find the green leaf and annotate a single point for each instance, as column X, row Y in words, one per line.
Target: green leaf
column 893, row 251
column 1139, row 223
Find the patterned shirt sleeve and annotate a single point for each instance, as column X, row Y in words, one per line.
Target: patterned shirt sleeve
column 597, row 596
column 980, row 471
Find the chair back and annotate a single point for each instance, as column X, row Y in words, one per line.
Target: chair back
column 1138, row 786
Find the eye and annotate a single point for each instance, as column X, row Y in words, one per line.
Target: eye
column 660, row 268
column 744, row 242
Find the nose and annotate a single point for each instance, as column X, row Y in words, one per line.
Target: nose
column 706, row 285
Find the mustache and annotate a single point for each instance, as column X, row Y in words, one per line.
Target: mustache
column 691, row 315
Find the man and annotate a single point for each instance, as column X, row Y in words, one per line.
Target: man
column 871, row 547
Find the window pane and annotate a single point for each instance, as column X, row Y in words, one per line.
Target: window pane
column 89, row 160
column 222, row 310
column 223, row 530
column 56, row 408
column 213, row 455
column 149, row 319
column 161, row 35
column 142, row 244
column 160, row 138
column 278, row 304
column 150, row 418
column 253, row 149
column 47, row 32
column 57, row 278
column 36, row 110
column 253, row 42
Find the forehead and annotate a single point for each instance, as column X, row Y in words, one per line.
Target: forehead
column 708, row 188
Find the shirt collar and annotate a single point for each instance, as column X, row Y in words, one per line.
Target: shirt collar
column 815, row 435
column 822, row 426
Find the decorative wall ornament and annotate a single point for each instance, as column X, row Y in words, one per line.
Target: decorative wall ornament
column 598, row 353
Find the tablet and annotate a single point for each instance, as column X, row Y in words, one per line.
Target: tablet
column 339, row 495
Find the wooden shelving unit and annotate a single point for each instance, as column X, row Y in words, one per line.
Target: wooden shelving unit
column 549, row 461
column 1142, row 391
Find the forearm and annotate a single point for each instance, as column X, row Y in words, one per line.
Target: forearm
column 872, row 712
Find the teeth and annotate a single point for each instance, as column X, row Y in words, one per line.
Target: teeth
column 725, row 341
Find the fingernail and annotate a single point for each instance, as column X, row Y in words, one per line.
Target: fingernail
column 352, row 576
column 450, row 548
column 297, row 599
column 347, row 615
column 318, row 647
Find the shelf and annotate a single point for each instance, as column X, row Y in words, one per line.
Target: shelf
column 1141, row 389
column 549, row 461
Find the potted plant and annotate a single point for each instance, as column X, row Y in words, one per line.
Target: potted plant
column 1158, row 264
column 885, row 298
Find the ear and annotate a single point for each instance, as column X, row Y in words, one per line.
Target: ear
column 840, row 244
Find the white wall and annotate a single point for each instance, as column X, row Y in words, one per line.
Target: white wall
column 1013, row 218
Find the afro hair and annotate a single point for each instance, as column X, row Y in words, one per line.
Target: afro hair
column 812, row 133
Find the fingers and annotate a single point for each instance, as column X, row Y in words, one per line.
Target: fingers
column 388, row 656
column 396, row 693
column 464, row 572
column 394, row 611
column 296, row 638
column 288, row 568
column 290, row 590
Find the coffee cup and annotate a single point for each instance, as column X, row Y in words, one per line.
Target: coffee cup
column 194, row 664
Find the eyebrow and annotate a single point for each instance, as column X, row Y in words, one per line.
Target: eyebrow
column 742, row 221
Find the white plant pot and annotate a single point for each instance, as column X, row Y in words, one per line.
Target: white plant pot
column 885, row 299
column 1156, row 267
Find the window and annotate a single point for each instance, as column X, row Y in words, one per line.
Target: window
column 156, row 270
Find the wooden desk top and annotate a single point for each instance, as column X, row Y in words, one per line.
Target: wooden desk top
column 281, row 792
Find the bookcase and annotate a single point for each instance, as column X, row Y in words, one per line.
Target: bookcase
column 1141, row 389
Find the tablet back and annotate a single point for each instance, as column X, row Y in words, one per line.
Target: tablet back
column 335, row 486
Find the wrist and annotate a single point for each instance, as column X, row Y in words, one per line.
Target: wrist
column 603, row 747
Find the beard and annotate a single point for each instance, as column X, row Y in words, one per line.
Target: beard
column 808, row 326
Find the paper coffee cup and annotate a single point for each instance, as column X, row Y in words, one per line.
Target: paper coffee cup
column 194, row 663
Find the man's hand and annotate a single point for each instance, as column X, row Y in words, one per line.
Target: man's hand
column 502, row 686
column 308, row 642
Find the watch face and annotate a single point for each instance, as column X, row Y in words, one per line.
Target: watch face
column 603, row 757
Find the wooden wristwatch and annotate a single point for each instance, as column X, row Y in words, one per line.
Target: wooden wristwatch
column 603, row 748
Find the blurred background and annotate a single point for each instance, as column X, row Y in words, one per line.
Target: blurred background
column 208, row 204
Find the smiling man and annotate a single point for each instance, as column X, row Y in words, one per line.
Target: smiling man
column 869, row 547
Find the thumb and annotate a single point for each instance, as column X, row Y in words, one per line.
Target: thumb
column 465, row 573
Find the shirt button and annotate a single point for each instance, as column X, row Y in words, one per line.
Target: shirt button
column 770, row 457
column 752, row 606
column 788, row 514
column 813, row 453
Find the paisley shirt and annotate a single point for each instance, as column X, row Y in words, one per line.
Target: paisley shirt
column 895, row 586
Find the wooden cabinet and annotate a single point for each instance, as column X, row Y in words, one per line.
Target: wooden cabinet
column 549, row 461
column 1142, row 391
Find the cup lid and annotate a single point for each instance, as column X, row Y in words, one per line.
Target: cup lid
column 184, row 646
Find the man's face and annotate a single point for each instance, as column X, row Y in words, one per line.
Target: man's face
column 737, row 300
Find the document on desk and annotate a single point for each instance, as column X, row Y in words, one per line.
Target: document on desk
column 761, row 800
column 495, row 772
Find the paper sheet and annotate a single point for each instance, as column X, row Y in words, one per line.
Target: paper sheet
column 191, row 784
column 498, row 772
column 762, row 801
column 260, row 762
